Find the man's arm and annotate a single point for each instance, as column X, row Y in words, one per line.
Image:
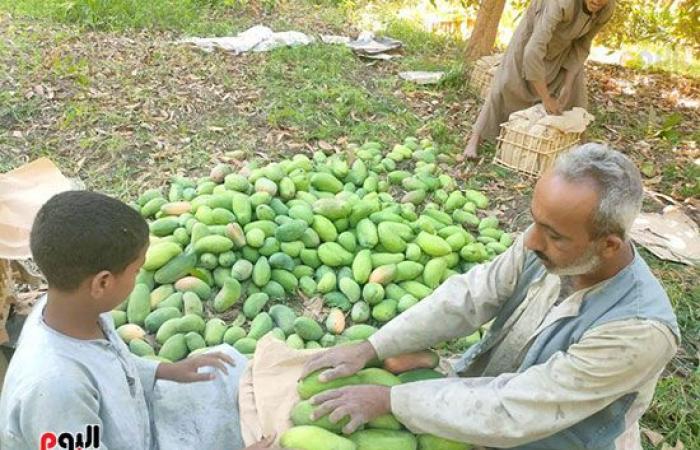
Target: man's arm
column 457, row 308
column 513, row 409
column 534, row 71
column 553, row 12
column 551, row 104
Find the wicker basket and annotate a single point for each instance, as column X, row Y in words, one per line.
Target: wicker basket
column 529, row 153
column 483, row 73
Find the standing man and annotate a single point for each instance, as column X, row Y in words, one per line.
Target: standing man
column 582, row 329
column 543, row 63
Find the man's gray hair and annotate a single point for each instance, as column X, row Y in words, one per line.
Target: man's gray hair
column 617, row 179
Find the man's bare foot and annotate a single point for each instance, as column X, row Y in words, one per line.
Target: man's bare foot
column 470, row 152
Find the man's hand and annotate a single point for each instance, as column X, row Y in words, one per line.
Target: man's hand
column 360, row 403
column 186, row 371
column 342, row 361
column 552, row 106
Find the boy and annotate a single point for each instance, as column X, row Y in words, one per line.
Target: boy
column 71, row 370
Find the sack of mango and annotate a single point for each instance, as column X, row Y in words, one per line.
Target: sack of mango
column 381, row 433
column 234, row 255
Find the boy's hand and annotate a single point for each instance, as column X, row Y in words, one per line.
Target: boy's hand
column 185, row 371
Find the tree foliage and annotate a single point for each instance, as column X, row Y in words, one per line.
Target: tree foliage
column 670, row 22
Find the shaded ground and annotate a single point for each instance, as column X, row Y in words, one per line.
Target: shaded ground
column 126, row 111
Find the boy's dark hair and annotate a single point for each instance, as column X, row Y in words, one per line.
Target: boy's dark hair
column 77, row 234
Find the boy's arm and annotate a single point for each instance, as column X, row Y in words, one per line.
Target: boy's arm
column 188, row 370
column 610, row 361
column 147, row 369
column 185, row 371
column 59, row 404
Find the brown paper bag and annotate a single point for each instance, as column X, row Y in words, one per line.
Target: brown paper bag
column 672, row 235
column 268, row 389
column 22, row 192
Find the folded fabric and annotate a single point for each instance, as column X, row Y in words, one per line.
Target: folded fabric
column 575, row 120
column 536, row 120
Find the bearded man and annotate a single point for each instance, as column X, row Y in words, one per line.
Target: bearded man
column 581, row 329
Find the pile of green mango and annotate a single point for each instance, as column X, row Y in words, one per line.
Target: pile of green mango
column 233, row 255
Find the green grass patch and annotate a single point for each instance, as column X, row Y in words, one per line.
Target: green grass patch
column 417, row 40
column 190, row 16
column 675, row 410
column 322, row 91
column 13, row 111
column 685, row 179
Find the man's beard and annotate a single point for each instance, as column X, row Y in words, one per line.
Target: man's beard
column 586, row 263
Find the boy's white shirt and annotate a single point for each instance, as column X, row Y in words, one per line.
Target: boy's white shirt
column 62, row 384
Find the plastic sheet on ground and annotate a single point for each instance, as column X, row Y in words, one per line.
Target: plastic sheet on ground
column 370, row 46
column 262, row 39
column 420, row 77
column 256, row 39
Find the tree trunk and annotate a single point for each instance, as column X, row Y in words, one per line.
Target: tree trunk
column 484, row 34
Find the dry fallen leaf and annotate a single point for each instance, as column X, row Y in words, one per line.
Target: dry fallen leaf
column 654, row 437
column 313, row 307
column 325, row 145
column 79, row 164
column 648, row 169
